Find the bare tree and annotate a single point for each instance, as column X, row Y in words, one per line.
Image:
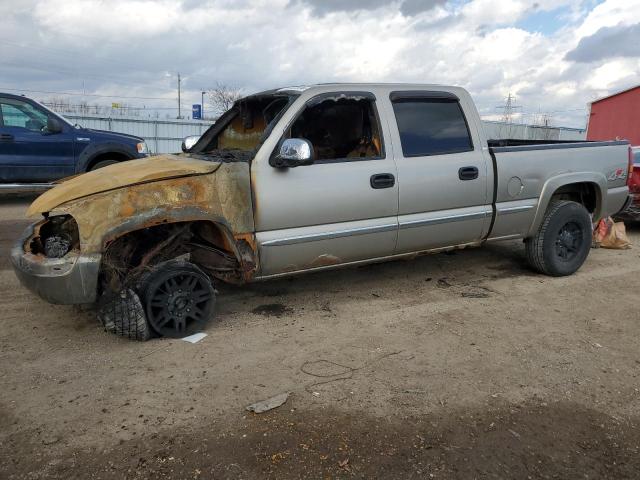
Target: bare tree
column 222, row 97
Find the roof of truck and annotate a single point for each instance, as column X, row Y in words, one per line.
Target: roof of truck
column 357, row 86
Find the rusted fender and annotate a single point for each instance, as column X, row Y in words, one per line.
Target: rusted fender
column 222, row 196
column 124, row 174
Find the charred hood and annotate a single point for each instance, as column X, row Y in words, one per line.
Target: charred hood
column 120, row 175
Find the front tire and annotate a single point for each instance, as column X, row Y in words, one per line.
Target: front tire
column 563, row 241
column 179, row 298
column 123, row 314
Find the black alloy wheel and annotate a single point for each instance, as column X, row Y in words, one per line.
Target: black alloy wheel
column 569, row 241
column 179, row 299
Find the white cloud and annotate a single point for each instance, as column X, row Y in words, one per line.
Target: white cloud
column 609, row 14
column 128, row 46
column 132, row 17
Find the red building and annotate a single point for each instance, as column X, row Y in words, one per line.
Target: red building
column 616, row 116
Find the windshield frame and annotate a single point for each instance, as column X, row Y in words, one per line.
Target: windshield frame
column 227, row 117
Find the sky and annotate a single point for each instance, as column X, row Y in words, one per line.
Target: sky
column 554, row 56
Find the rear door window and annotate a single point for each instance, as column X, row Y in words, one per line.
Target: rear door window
column 431, row 126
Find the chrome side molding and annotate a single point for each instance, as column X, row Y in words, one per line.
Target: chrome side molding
column 312, row 237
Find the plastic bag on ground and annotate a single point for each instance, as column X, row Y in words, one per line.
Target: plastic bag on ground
column 610, row 234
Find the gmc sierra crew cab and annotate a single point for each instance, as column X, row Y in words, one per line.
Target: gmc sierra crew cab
column 309, row 178
column 38, row 146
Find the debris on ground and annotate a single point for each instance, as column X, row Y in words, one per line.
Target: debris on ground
column 475, row 294
column 195, row 338
column 50, row 439
column 610, row 234
column 272, row 310
column 269, row 404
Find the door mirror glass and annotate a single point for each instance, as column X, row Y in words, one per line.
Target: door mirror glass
column 54, row 125
column 294, row 152
column 189, row 142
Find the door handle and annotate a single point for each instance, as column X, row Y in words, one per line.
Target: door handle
column 382, row 180
column 6, row 137
column 468, row 173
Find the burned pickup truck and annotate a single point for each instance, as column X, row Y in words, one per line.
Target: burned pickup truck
column 303, row 179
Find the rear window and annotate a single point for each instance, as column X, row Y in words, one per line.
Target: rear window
column 636, row 156
column 431, row 127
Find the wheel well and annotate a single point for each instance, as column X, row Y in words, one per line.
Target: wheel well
column 208, row 244
column 585, row 193
column 120, row 157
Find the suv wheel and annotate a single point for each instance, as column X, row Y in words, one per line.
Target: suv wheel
column 563, row 241
column 103, row 163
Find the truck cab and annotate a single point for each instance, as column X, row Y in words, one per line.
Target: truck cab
column 38, row 146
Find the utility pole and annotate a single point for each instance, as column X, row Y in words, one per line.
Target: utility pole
column 179, row 116
column 202, row 105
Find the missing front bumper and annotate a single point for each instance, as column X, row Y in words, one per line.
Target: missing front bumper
column 72, row 279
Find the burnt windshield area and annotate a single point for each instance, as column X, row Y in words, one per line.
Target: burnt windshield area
column 240, row 131
column 340, row 128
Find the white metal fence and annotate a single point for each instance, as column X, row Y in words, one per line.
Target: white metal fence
column 161, row 135
column 165, row 136
column 501, row 130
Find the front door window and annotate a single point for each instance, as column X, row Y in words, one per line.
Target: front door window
column 16, row 113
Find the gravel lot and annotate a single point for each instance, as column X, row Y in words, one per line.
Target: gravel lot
column 462, row 365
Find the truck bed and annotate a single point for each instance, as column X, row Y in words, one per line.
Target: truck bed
column 523, row 170
column 516, row 142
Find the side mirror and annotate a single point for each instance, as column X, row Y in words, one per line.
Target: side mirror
column 189, row 142
column 294, row 152
column 54, row 125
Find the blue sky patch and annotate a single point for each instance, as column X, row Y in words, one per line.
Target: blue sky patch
column 546, row 22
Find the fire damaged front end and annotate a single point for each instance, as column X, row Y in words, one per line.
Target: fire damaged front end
column 103, row 230
column 48, row 262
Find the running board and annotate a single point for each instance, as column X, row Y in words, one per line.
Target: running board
column 25, row 187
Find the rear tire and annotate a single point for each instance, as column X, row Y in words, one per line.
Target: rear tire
column 103, row 163
column 563, row 241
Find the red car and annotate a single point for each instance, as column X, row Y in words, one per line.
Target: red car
column 633, row 210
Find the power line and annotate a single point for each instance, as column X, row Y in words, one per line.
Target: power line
column 121, row 107
column 70, row 53
column 55, row 69
column 83, row 94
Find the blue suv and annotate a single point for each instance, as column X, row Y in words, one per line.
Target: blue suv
column 39, row 146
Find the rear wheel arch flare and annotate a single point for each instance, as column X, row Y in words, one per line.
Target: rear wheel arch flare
column 564, row 183
column 587, row 194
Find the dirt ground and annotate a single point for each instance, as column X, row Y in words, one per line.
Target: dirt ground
column 462, row 365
